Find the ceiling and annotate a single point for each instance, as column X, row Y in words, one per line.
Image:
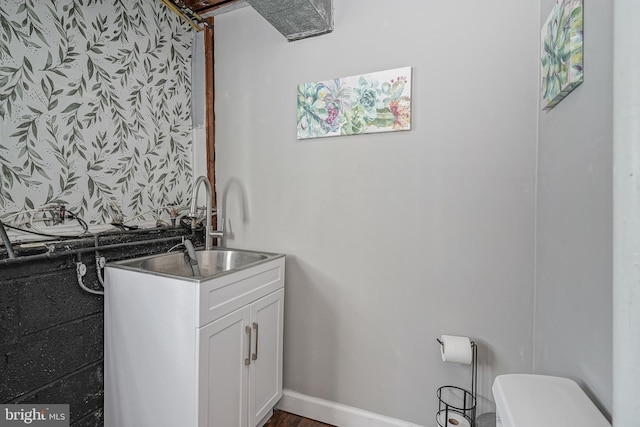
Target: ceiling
column 294, row 19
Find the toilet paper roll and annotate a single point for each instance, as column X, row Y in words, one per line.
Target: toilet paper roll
column 456, row 349
column 453, row 419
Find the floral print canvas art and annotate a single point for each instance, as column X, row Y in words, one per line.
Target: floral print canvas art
column 561, row 56
column 376, row 102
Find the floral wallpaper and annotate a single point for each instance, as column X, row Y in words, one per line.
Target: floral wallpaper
column 95, row 106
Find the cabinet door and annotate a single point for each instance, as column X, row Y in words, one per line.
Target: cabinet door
column 265, row 378
column 224, row 346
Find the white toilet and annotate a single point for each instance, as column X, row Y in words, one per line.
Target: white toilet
column 543, row 401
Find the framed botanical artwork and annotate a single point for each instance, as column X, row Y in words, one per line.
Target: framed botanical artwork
column 561, row 56
column 368, row 103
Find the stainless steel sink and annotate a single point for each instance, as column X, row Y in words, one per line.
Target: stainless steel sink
column 210, row 263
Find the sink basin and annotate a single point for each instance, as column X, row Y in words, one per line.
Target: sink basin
column 210, row 263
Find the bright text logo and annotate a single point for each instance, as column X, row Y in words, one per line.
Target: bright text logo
column 35, row 415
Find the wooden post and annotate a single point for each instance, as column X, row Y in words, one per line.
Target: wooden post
column 210, row 120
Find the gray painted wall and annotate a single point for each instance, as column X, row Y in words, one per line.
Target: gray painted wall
column 392, row 239
column 626, row 213
column 573, row 315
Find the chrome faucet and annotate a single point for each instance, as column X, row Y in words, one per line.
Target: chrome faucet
column 209, row 233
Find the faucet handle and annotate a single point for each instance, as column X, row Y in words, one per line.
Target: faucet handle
column 216, row 234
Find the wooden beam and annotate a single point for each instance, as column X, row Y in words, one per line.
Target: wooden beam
column 210, row 119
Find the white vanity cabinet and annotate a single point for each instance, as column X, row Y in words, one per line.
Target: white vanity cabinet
column 184, row 352
column 240, row 364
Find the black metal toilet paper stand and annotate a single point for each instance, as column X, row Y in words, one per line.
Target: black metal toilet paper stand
column 456, row 405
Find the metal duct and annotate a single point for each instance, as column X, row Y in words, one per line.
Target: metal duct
column 297, row 19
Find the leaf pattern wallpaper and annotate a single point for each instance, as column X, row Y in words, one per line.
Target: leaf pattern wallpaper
column 95, row 106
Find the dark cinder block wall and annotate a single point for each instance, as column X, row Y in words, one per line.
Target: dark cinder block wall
column 51, row 331
column 51, row 340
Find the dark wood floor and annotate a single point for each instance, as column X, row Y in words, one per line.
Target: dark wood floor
column 285, row 419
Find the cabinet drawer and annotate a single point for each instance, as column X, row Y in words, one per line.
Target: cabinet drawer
column 226, row 294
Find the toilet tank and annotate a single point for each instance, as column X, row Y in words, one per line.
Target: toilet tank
column 543, row 401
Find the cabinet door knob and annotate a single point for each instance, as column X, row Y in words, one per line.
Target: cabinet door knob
column 247, row 361
column 255, row 355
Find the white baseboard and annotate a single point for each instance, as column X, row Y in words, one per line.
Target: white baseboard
column 334, row 413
